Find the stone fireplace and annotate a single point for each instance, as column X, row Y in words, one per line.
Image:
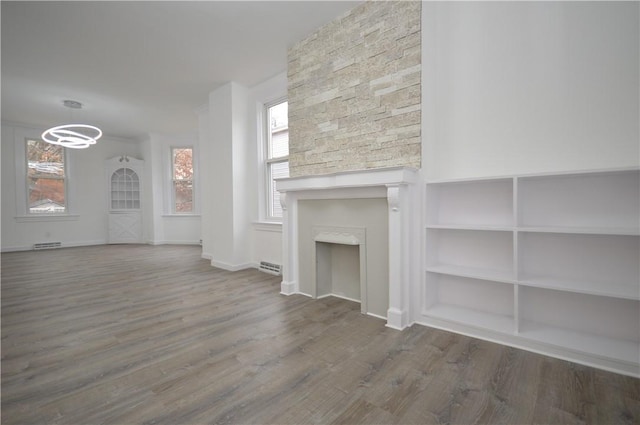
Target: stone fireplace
column 394, row 189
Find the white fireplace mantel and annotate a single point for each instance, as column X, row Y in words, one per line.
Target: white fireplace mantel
column 397, row 185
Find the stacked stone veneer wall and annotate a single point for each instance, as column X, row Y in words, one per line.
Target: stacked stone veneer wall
column 354, row 92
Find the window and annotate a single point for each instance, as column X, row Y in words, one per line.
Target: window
column 182, row 178
column 277, row 154
column 46, row 178
column 125, row 190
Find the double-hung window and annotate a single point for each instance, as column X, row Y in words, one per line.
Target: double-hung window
column 46, row 178
column 277, row 155
column 182, row 180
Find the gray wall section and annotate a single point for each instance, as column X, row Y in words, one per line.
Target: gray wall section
column 368, row 213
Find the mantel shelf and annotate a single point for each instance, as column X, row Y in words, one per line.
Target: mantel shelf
column 349, row 179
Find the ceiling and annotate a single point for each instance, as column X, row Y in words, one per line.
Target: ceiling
column 143, row 66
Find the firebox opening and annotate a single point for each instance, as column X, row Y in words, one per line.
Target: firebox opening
column 338, row 271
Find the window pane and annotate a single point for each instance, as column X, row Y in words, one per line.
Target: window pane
column 277, row 170
column 45, row 159
column 280, row 143
column 279, row 115
column 45, row 177
column 183, row 190
column 279, row 130
column 125, row 189
column 183, row 164
column 46, row 195
column 182, row 175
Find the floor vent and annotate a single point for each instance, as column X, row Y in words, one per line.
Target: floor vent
column 47, row 245
column 270, row 268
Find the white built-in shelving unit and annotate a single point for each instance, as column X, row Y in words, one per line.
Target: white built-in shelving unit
column 549, row 263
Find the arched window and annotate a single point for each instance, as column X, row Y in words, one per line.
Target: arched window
column 125, row 190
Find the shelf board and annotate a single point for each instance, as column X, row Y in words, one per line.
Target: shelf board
column 491, row 228
column 474, row 272
column 611, row 348
column 497, row 179
column 630, row 231
column 533, row 176
column 626, row 290
column 470, row 317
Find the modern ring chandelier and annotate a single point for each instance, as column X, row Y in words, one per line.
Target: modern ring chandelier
column 76, row 136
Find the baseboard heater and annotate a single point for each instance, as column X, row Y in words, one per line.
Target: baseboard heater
column 47, row 245
column 270, row 268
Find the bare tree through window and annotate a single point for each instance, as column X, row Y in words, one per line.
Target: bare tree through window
column 46, row 177
column 182, row 160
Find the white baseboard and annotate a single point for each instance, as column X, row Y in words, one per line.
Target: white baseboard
column 85, row 243
column 397, row 319
column 231, row 267
column 288, row 288
column 64, row 245
column 16, row 248
column 377, row 316
column 173, row 242
column 340, row 296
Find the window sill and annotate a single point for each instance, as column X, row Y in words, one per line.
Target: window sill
column 46, row 217
column 268, row 226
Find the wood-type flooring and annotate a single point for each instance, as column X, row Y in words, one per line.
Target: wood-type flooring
column 136, row 334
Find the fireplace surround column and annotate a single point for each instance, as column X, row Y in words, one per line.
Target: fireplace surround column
column 399, row 201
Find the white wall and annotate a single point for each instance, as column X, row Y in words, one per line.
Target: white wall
column 206, row 173
column 513, row 88
column 266, row 239
column 231, row 139
column 165, row 227
column 226, row 177
column 88, row 194
column 266, row 243
column 524, row 87
column 242, row 173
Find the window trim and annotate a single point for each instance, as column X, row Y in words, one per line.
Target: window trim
column 267, row 161
column 23, row 210
column 270, row 200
